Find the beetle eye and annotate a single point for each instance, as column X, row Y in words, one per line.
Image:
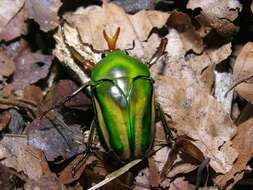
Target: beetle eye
column 103, row 55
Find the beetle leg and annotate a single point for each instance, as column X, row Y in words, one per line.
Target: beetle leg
column 85, row 85
column 88, row 150
column 165, row 124
column 159, row 52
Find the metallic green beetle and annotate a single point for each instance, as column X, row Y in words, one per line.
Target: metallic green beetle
column 123, row 98
column 122, row 93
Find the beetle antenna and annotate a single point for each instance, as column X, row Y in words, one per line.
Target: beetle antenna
column 111, row 41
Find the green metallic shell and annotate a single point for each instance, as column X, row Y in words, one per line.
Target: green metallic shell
column 122, row 92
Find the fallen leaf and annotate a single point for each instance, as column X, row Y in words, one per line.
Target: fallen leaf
column 180, row 183
column 45, row 183
column 154, row 176
column 17, row 122
column 188, row 36
column 74, row 170
column 33, row 93
column 135, row 28
column 12, row 19
column 243, row 72
column 7, row 178
column 243, row 144
column 17, row 154
column 220, row 17
column 44, row 12
column 30, row 67
column 194, row 69
column 198, row 115
column 5, row 118
column 65, row 88
column 53, row 140
column 7, row 65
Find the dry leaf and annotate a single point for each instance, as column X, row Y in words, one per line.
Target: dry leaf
column 7, row 65
column 243, row 72
column 5, row 118
column 55, row 141
column 220, row 16
column 243, row 144
column 44, row 12
column 74, row 170
column 195, row 69
column 188, row 36
column 198, row 115
column 17, row 154
column 154, row 176
column 12, row 19
column 133, row 28
column 33, row 93
column 30, row 67
column 180, row 183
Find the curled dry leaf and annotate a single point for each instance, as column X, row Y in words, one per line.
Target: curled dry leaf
column 198, row 115
column 44, row 12
column 133, row 28
column 30, row 67
column 243, row 144
column 12, row 19
column 189, row 38
column 17, row 154
column 55, row 141
column 220, row 16
column 243, row 72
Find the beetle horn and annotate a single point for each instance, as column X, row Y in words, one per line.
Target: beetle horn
column 111, row 41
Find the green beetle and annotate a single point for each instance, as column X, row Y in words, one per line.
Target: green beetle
column 123, row 99
column 122, row 93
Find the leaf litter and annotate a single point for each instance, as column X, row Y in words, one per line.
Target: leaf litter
column 185, row 77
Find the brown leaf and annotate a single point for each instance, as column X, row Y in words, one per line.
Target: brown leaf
column 154, row 177
column 133, row 28
column 45, row 183
column 220, row 16
column 30, row 67
column 243, row 72
column 196, row 69
column 198, row 115
column 17, row 154
column 44, row 12
column 189, row 37
column 33, row 93
column 70, row 173
column 180, row 183
column 7, row 178
column 55, row 141
column 7, row 65
column 12, row 19
column 65, row 88
column 243, row 144
column 5, row 118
